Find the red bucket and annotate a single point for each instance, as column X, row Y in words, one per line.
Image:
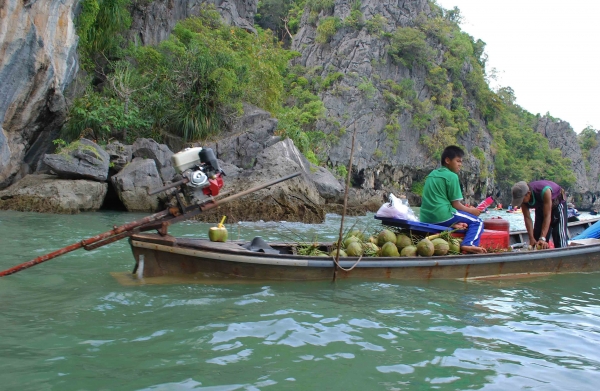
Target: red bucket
column 496, row 224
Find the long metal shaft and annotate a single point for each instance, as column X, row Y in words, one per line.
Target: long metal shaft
column 124, row 230
column 85, row 242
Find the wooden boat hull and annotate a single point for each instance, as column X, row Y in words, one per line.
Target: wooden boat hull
column 169, row 256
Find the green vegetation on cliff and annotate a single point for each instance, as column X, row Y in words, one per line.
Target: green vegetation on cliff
column 456, row 76
column 99, row 26
column 188, row 85
column 193, row 84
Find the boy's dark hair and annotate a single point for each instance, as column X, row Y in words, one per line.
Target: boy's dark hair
column 451, row 152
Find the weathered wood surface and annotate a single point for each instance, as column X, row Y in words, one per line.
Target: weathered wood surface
column 164, row 256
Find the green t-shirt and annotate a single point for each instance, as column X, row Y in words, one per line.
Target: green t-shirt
column 441, row 188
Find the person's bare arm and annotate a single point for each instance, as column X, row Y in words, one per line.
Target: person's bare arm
column 547, row 197
column 528, row 224
column 459, row 206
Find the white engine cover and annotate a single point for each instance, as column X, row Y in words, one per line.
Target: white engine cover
column 185, row 159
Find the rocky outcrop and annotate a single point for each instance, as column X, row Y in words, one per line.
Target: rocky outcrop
column 249, row 136
column 250, row 154
column 594, row 176
column 296, row 199
column 561, row 135
column 38, row 59
column 45, row 193
column 153, row 21
column 134, row 182
column 120, row 155
column 160, row 153
column 85, row 161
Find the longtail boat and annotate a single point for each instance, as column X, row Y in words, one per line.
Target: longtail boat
column 165, row 255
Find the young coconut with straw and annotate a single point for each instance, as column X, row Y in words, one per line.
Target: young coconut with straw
column 441, row 201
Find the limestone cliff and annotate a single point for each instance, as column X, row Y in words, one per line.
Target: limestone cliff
column 153, row 21
column 38, row 59
column 381, row 162
column 560, row 135
column 593, row 175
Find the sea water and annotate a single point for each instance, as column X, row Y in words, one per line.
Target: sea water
column 69, row 324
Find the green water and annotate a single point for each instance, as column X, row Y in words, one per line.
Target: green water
column 68, row 324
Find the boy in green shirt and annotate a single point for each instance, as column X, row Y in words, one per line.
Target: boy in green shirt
column 441, row 201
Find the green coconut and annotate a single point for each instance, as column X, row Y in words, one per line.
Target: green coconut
column 350, row 239
column 217, row 234
column 334, row 252
column 373, row 239
column 371, row 249
column 441, row 247
column 389, row 249
column 358, row 234
column 371, row 246
column 386, row 236
column 409, row 251
column 454, row 246
column 354, row 249
column 403, row 241
column 425, row 248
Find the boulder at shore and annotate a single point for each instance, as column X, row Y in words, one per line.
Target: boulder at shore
column 86, row 160
column 297, row 199
column 133, row 183
column 47, row 194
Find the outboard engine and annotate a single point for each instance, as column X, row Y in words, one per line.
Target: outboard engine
column 201, row 169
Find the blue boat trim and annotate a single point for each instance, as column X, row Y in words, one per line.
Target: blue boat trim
column 414, row 225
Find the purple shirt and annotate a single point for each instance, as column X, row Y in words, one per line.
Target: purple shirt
column 538, row 188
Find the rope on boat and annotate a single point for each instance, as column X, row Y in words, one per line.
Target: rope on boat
column 347, row 270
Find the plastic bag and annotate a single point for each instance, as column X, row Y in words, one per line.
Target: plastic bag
column 397, row 208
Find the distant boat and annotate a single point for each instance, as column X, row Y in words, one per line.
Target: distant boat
column 572, row 214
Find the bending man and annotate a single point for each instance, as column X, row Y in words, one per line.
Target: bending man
column 548, row 199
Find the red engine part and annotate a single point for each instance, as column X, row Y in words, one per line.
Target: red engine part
column 215, row 184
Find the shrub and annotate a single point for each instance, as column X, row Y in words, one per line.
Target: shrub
column 99, row 27
column 320, row 5
column 327, row 29
column 408, row 45
column 376, row 24
column 355, row 20
column 341, row 171
column 331, row 78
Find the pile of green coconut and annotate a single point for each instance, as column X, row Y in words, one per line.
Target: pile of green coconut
column 396, row 244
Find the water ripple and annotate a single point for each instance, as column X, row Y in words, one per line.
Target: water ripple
column 69, row 325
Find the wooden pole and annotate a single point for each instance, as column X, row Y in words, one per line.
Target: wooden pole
column 339, row 243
